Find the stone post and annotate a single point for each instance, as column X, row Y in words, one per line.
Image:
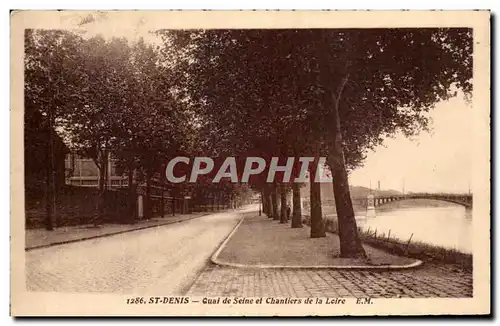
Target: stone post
column 140, row 207
column 370, row 207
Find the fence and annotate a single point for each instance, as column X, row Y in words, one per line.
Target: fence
column 78, row 205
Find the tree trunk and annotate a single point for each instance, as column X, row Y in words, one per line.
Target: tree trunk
column 100, row 197
column 106, row 172
column 102, row 176
column 269, row 204
column 49, row 225
column 274, row 203
column 267, row 201
column 131, row 191
column 50, row 190
column 278, row 204
column 283, row 212
column 297, row 209
column 263, row 201
column 162, row 199
column 147, row 201
column 130, row 177
column 52, row 167
column 350, row 243
column 317, row 225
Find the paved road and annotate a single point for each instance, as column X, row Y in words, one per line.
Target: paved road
column 159, row 261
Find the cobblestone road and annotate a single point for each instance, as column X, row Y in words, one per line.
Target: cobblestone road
column 162, row 260
column 427, row 281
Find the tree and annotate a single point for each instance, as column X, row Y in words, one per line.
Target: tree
column 239, row 109
column 317, row 225
column 155, row 125
column 283, row 198
column 297, row 206
column 108, row 98
column 374, row 76
column 52, row 78
column 367, row 84
column 93, row 124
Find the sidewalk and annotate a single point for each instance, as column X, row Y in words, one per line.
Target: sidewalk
column 262, row 242
column 39, row 238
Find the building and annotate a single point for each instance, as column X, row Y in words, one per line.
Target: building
column 83, row 172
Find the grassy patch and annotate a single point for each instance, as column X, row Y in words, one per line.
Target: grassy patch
column 417, row 249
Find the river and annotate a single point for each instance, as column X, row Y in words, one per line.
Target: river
column 445, row 225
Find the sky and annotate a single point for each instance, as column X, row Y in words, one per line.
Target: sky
column 439, row 161
column 111, row 24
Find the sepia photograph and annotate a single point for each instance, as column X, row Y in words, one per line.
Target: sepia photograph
column 250, row 163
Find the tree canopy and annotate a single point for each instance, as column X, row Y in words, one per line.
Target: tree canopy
column 333, row 93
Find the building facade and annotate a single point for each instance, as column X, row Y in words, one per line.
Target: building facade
column 83, row 172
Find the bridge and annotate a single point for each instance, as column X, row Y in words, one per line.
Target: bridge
column 460, row 199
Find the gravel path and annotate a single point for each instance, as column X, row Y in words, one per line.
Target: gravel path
column 263, row 241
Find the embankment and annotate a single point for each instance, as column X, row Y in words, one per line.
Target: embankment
column 412, row 249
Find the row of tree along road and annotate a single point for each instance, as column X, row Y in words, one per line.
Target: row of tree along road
column 333, row 93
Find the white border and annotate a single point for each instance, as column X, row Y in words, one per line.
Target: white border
column 186, row 4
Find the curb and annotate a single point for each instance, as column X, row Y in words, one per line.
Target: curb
column 218, row 262
column 215, row 254
column 53, row 244
column 214, row 259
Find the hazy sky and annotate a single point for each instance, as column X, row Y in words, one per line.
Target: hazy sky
column 436, row 161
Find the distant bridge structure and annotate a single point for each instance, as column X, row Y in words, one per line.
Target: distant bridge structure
column 371, row 201
column 460, row 199
column 464, row 200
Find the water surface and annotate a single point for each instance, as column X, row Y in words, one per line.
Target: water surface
column 448, row 226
